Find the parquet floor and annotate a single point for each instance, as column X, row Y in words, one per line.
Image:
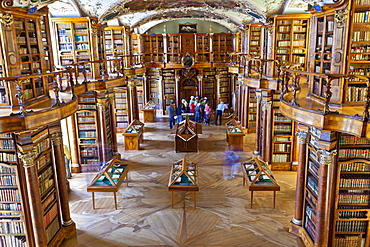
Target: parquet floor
column 223, row 217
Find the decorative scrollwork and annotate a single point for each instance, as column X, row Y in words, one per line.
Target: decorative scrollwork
column 326, row 156
column 341, row 16
column 7, row 3
column 302, row 136
column 28, row 158
column 7, row 20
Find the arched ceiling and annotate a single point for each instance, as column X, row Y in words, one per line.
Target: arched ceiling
column 233, row 14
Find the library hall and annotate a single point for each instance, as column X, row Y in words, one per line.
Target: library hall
column 185, row 123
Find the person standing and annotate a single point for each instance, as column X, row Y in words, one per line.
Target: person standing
column 178, row 114
column 220, row 111
column 207, row 116
column 171, row 114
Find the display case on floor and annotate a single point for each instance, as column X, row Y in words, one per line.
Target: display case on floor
column 234, row 135
column 149, row 112
column 109, row 179
column 184, row 177
column 186, row 137
column 133, row 135
column 258, row 176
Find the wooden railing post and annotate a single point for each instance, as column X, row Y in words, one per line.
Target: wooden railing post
column 20, row 96
column 328, row 95
column 295, row 87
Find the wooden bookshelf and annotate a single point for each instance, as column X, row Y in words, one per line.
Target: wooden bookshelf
column 358, row 52
column 25, row 183
column 351, row 222
column 234, row 135
column 121, row 101
column 173, row 53
column 153, row 48
column 27, row 52
column 154, row 81
column 254, row 40
column 116, row 41
column 291, row 38
column 168, row 87
column 223, row 85
column 202, row 47
column 222, row 45
column 251, row 110
column 79, row 39
column 95, row 133
column 210, row 86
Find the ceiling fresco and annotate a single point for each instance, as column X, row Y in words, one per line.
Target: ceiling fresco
column 233, row 14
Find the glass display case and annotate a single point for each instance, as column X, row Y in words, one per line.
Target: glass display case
column 133, row 135
column 109, row 179
column 184, row 177
column 258, row 176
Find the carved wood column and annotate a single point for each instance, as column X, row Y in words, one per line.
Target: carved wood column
column 73, row 144
column 56, row 139
column 266, row 135
column 322, row 231
column 102, row 107
column 134, row 105
column 258, row 125
column 299, row 195
column 27, row 156
column 112, row 113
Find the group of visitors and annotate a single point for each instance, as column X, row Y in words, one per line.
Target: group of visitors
column 199, row 106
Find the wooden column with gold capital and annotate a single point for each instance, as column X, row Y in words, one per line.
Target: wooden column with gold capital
column 325, row 159
column 257, row 150
column 27, row 156
column 134, row 105
column 299, row 195
column 56, row 139
column 266, row 136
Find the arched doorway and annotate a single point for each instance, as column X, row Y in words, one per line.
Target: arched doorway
column 188, row 84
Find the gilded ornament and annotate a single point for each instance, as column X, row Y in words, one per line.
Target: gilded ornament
column 341, row 16
column 7, row 20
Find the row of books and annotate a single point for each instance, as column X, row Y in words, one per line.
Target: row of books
column 361, row 17
column 361, row 36
column 277, row 158
column 281, row 147
column 51, row 214
column 45, row 174
column 355, row 167
column 7, row 144
column 89, row 152
column 354, row 182
column 353, row 198
column 89, row 160
column 11, row 206
column 355, row 94
column 360, row 71
column 87, row 134
column 353, row 140
column 45, row 185
column 10, row 195
column 312, row 184
column 282, row 127
column 310, row 227
column 12, row 227
column 8, row 180
column 87, row 126
column 354, row 153
column 347, row 240
column 314, row 168
column 351, row 226
column 360, row 57
column 8, row 157
column 7, row 170
column 44, row 160
column 52, row 229
column 13, row 241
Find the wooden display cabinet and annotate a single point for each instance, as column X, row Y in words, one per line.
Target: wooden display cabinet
column 27, row 52
column 134, row 135
column 109, row 179
column 184, row 177
column 234, row 135
column 259, row 177
column 223, row 85
column 202, row 48
column 251, row 110
column 209, row 86
column 186, row 137
column 222, row 45
column 149, row 112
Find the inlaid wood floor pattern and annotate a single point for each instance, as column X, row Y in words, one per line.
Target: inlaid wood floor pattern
column 222, row 218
